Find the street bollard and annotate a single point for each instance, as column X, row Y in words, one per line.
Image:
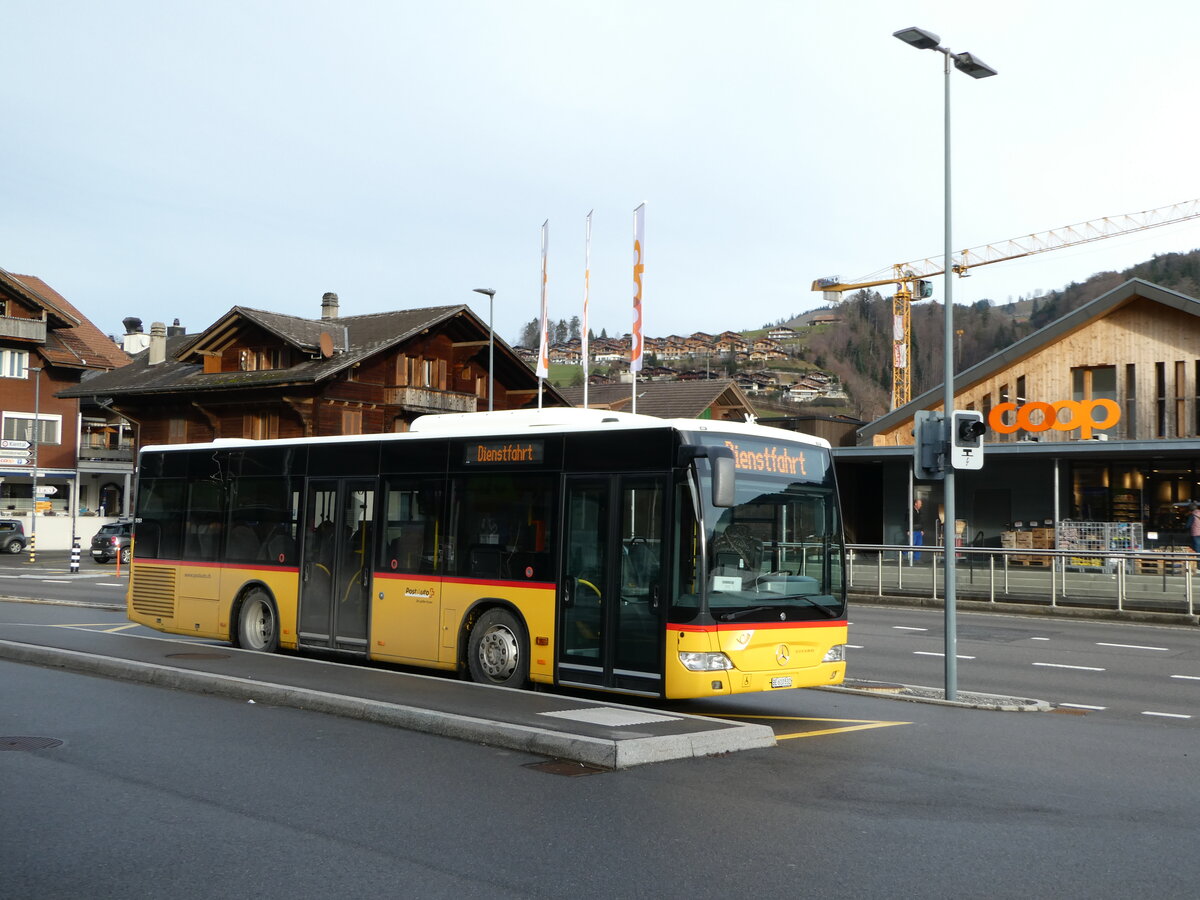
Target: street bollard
column 33, row 548
column 75, row 555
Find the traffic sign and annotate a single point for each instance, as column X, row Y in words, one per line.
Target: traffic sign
column 13, row 445
column 46, row 490
column 13, row 461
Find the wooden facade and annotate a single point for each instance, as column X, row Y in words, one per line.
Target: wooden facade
column 1137, row 346
column 259, row 375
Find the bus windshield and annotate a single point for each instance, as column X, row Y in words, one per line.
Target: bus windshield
column 776, row 555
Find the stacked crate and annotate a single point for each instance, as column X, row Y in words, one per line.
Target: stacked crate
column 1034, row 539
column 1180, row 561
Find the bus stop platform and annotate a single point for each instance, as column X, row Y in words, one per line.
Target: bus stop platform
column 590, row 731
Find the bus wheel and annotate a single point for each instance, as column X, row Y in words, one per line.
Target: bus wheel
column 258, row 623
column 497, row 652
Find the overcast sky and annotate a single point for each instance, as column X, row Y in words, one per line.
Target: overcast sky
column 174, row 159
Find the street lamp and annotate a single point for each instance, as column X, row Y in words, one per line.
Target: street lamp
column 976, row 68
column 491, row 295
column 37, row 428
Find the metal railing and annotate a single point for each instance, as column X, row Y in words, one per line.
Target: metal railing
column 1157, row 581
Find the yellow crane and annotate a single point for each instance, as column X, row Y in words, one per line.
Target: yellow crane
column 912, row 276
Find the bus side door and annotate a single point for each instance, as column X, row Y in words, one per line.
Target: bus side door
column 611, row 595
column 335, row 569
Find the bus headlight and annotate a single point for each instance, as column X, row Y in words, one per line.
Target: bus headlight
column 837, row 653
column 705, row 662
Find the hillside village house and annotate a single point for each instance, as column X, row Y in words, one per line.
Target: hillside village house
column 84, row 456
column 1095, row 418
column 258, row 374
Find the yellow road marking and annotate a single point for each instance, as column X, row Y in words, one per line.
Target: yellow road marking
column 120, row 628
column 857, row 725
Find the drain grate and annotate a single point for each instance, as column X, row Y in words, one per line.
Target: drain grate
column 198, row 656
column 29, row 743
column 565, row 767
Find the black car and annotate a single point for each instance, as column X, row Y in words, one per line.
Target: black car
column 112, row 539
column 12, row 536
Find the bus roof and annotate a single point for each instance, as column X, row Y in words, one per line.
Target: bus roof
column 550, row 420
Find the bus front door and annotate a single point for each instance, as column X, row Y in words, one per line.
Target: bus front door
column 611, row 598
column 335, row 570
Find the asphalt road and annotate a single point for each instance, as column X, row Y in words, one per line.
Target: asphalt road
column 153, row 792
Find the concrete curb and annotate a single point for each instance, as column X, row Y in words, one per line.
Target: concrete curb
column 604, row 753
column 936, row 696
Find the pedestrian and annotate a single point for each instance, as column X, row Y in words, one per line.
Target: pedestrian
column 918, row 527
column 1193, row 521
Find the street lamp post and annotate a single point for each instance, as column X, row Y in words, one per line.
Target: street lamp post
column 976, row 68
column 37, row 428
column 491, row 295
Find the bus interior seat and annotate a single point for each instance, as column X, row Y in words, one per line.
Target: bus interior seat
column 483, row 560
column 243, row 543
column 280, row 547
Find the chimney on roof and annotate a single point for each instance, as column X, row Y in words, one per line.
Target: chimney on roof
column 135, row 340
column 329, row 306
column 158, row 344
column 175, row 328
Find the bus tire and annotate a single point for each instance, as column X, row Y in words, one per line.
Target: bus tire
column 498, row 650
column 258, row 623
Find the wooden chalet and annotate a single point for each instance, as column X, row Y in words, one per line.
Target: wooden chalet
column 258, row 374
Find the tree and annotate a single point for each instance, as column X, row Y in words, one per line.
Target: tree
column 561, row 332
column 575, row 326
column 530, row 336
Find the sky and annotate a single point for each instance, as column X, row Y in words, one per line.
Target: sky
column 173, row 160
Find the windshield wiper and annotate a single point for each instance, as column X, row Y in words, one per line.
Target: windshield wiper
column 751, row 610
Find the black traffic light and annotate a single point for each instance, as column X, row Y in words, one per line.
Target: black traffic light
column 929, row 445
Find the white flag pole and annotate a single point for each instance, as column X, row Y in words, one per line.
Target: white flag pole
column 639, row 267
column 587, row 268
column 543, row 366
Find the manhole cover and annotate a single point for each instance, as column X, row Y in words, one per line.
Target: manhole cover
column 197, row 656
column 29, row 743
column 564, row 767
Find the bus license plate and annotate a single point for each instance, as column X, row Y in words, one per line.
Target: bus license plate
column 785, row 681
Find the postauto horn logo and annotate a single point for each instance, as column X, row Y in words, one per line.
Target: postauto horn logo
column 1062, row 415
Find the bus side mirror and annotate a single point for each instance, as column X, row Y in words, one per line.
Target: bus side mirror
column 724, row 486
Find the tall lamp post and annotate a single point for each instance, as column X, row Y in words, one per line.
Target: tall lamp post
column 964, row 62
column 37, row 434
column 491, row 295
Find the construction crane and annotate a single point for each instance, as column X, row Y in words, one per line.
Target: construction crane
column 911, row 277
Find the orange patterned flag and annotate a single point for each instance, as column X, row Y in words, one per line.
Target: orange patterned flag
column 639, row 267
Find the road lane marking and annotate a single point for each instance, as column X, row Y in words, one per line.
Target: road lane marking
column 56, row 581
column 908, row 628
column 854, row 646
column 1164, row 715
column 856, row 725
column 1188, row 677
column 120, row 628
column 1083, row 706
column 931, row 653
column 1132, row 647
column 1039, row 639
column 110, row 584
column 1062, row 666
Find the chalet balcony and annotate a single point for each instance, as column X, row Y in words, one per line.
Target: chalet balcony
column 23, row 329
column 428, row 400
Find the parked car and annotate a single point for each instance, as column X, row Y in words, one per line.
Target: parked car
column 12, row 536
column 112, row 539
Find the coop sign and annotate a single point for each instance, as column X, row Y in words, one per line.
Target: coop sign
column 1062, row 415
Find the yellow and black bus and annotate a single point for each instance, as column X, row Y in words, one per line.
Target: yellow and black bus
column 664, row 558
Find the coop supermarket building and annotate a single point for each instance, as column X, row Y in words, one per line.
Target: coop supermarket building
column 1093, row 419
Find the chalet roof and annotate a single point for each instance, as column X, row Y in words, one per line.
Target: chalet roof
column 366, row 335
column 1044, row 337
column 71, row 338
column 665, row 399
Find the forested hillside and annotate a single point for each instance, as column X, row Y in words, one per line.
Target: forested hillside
column 858, row 349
